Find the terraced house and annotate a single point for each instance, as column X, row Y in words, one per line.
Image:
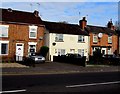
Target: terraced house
column 103, row 38
column 20, row 34
column 64, row 38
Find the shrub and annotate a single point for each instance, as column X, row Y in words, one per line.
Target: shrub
column 43, row 51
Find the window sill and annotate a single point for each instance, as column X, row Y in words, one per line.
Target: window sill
column 95, row 42
column 80, row 42
column 3, row 54
column 32, row 38
column 109, row 43
column 59, row 41
column 4, row 37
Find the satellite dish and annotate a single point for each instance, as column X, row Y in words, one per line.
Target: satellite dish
column 100, row 35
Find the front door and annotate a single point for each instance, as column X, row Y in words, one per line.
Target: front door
column 19, row 51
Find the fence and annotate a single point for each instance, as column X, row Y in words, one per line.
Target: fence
column 104, row 60
column 73, row 60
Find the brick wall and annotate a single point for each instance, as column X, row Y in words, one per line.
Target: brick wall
column 20, row 34
column 104, row 42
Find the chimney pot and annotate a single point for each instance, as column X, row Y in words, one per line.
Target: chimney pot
column 9, row 10
column 36, row 13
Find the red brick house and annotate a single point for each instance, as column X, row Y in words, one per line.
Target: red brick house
column 104, row 38
column 20, row 34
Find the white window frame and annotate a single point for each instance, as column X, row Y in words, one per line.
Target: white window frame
column 81, row 38
column 72, row 51
column 109, row 51
column 31, row 43
column 5, row 42
column 6, row 27
column 109, row 39
column 35, row 31
column 95, row 38
column 59, row 37
column 81, row 52
column 60, row 52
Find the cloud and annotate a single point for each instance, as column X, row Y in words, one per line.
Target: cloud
column 98, row 12
column 59, row 0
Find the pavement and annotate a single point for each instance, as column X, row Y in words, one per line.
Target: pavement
column 52, row 68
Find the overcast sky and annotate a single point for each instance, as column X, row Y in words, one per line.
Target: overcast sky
column 97, row 12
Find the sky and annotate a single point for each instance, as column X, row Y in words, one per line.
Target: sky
column 97, row 12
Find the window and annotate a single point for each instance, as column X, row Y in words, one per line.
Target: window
column 72, row 50
column 81, row 38
column 61, row 52
column 4, row 30
column 33, row 32
column 32, row 48
column 59, row 37
column 109, row 51
column 95, row 38
column 4, row 47
column 81, row 52
column 109, row 39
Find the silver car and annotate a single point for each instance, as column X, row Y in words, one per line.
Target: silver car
column 37, row 58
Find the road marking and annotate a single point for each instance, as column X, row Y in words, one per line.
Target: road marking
column 83, row 85
column 12, row 91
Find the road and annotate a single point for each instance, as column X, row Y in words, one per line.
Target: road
column 77, row 82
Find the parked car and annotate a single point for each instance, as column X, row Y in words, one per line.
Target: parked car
column 110, row 56
column 37, row 58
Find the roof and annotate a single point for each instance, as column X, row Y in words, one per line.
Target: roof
column 64, row 28
column 14, row 16
column 98, row 29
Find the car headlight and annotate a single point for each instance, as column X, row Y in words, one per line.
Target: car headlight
column 36, row 59
column 43, row 58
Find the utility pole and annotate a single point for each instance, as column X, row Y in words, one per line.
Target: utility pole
column 79, row 15
column 38, row 5
column 31, row 5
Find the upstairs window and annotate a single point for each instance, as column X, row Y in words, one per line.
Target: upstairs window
column 59, row 37
column 95, row 38
column 109, row 39
column 4, row 31
column 33, row 32
column 81, row 38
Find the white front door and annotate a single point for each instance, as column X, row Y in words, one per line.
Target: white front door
column 19, row 51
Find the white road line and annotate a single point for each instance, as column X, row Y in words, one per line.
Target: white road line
column 12, row 91
column 83, row 85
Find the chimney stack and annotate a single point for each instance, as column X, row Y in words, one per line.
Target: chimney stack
column 36, row 13
column 83, row 23
column 110, row 25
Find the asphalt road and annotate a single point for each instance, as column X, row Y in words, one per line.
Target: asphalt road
column 77, row 82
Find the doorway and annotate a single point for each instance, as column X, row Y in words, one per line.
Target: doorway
column 19, row 51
